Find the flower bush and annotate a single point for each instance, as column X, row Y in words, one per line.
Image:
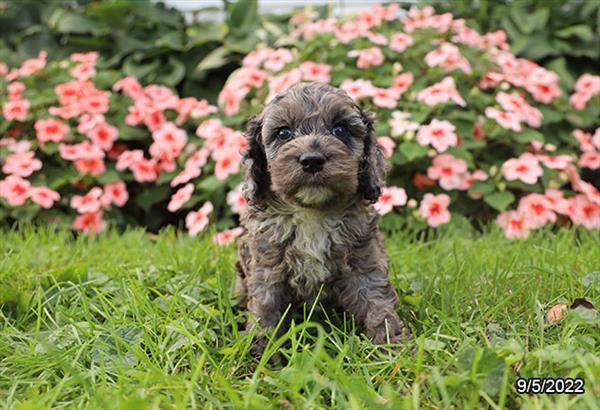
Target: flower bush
column 90, row 148
column 469, row 129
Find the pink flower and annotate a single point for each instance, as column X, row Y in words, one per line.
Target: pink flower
column 590, row 159
column 385, row 97
column 277, row 59
column 89, row 222
column 400, row 42
column 368, row 57
column 227, row 164
column 196, row 221
column 358, row 89
column 228, row 236
column 22, row 164
column 15, row 91
column 516, row 104
column 434, row 208
column 15, row 190
column 586, row 143
column 144, row 170
column 402, row 82
column 588, row 83
column 127, row 159
column 400, row 124
column 387, row 146
column 89, row 57
column 347, row 31
column 169, row 141
column 447, row 56
column 585, row 212
column 104, row 135
column 45, row 197
column 514, row 224
column 256, row 57
column 526, row 168
column 543, row 85
column 557, row 200
column 507, row 120
column 312, row 71
column 376, row 38
column 441, row 92
column 283, row 82
column 180, row 197
column 89, row 202
column 390, row 197
column 50, row 130
column 16, row 110
column 579, row 100
column 438, row 133
column 93, row 166
column 115, row 193
column 449, row 171
column 596, row 139
column 230, row 99
column 83, row 71
column 537, row 210
column 236, row 200
column 556, row 162
column 191, row 107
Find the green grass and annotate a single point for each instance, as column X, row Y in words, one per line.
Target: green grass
column 133, row 321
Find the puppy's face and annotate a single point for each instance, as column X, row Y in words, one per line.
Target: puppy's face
column 315, row 143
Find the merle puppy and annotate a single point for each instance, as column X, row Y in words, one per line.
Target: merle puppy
column 313, row 170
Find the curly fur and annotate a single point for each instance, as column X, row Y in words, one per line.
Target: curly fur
column 312, row 231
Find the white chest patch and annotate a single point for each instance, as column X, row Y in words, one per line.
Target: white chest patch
column 310, row 252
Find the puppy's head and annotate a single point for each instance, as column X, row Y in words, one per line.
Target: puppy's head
column 312, row 146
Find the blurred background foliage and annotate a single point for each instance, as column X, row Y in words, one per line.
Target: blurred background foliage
column 562, row 35
column 158, row 44
column 142, row 38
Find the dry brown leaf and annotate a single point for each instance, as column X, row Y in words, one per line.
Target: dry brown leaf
column 556, row 313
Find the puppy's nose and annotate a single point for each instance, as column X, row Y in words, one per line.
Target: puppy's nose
column 312, row 162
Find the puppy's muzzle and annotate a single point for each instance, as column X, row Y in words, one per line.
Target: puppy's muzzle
column 312, row 162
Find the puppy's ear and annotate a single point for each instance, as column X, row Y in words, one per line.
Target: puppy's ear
column 371, row 173
column 257, row 180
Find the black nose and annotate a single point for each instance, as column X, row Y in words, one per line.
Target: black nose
column 312, row 162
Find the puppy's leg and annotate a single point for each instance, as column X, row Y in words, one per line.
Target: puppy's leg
column 372, row 300
column 266, row 302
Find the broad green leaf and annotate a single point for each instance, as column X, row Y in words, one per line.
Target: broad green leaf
column 581, row 31
column 499, row 200
column 481, row 187
column 412, row 150
column 215, row 59
column 529, row 135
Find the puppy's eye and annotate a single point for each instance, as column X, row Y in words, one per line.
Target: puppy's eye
column 285, row 134
column 340, row 131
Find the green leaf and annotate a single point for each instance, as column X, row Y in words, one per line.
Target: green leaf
column 499, row 200
column 529, row 135
column 412, row 150
column 152, row 195
column 480, row 187
column 581, row 31
column 210, row 184
column 215, row 59
column 67, row 22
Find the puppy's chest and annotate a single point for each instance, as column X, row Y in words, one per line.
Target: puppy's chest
column 314, row 255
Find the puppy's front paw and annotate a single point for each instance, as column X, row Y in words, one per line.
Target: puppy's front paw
column 258, row 346
column 390, row 330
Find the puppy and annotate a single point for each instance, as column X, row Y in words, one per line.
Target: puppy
column 313, row 169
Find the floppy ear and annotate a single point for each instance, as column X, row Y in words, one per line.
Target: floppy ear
column 257, row 180
column 371, row 173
